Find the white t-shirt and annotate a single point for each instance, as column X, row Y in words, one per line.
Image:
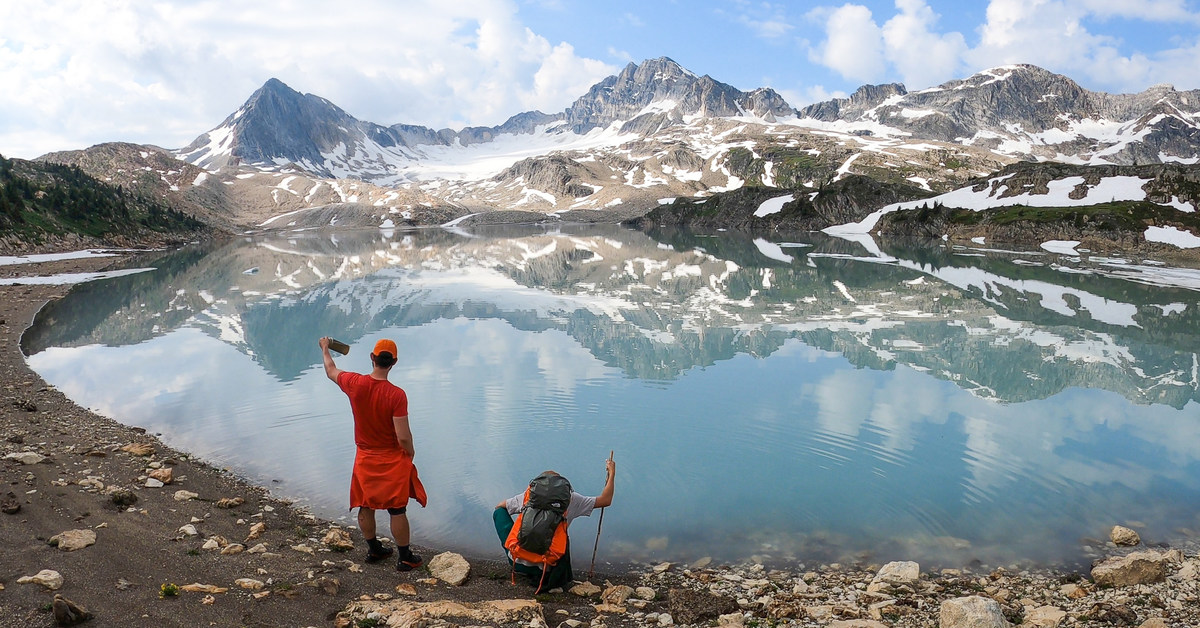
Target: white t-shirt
column 580, row 506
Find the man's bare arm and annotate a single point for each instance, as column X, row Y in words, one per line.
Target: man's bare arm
column 331, row 369
column 404, row 434
column 606, row 496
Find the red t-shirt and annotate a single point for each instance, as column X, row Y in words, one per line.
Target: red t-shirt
column 374, row 403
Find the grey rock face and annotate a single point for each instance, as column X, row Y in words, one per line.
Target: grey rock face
column 624, row 96
column 861, row 101
column 550, row 174
column 1016, row 102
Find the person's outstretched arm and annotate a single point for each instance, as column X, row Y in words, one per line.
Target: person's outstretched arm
column 606, row 496
column 331, row 369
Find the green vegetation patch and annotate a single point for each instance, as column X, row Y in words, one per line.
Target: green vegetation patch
column 1114, row 216
column 44, row 198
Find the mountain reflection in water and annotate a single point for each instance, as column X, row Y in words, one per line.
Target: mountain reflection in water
column 810, row 399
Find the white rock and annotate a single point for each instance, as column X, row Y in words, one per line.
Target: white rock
column 72, row 540
column 1125, row 537
column 261, row 548
column 702, row 563
column 585, row 589
column 211, row 544
column 617, row 595
column 47, row 577
column 971, row 612
column 153, row 483
column 250, row 584
column 661, row 567
column 665, row 619
column 183, row 496
column 25, row 457
column 732, row 620
column 1189, row 572
column 450, row 568
column 1044, row 617
column 901, row 572
column 335, row 538
column 188, row 529
column 645, row 593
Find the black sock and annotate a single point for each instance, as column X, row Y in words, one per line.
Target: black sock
column 375, row 545
column 404, row 551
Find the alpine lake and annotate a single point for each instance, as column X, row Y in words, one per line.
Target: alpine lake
column 808, row 399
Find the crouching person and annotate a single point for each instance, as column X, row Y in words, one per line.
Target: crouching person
column 536, row 541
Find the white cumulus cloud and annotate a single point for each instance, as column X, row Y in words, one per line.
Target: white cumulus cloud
column 921, row 56
column 1079, row 38
column 854, row 44
column 164, row 72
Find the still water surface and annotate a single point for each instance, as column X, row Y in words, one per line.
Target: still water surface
column 811, row 399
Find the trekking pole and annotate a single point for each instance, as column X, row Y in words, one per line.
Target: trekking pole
column 592, row 569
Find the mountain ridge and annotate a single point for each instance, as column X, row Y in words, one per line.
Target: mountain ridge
column 1022, row 111
column 653, row 134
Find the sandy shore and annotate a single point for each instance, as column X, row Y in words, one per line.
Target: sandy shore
column 79, row 473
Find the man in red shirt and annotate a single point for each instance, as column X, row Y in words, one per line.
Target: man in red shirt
column 384, row 476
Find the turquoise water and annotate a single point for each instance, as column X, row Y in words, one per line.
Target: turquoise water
column 803, row 398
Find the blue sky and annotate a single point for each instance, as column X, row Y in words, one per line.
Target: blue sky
column 81, row 72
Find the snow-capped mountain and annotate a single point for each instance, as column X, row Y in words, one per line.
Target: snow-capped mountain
column 278, row 126
column 1020, row 111
column 1026, row 112
column 654, row 133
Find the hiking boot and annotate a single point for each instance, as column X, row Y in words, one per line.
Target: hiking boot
column 378, row 553
column 409, row 562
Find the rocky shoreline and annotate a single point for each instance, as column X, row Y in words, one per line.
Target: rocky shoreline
column 103, row 517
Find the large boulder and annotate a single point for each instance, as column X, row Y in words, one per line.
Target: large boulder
column 450, row 568
column 899, row 573
column 1137, row 568
column 971, row 612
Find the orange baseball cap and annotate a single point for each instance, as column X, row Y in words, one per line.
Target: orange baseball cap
column 386, row 345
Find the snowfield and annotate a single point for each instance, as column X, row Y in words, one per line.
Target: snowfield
column 1110, row 189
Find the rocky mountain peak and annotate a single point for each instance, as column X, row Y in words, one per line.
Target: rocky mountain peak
column 864, row 99
column 276, row 123
column 659, row 92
